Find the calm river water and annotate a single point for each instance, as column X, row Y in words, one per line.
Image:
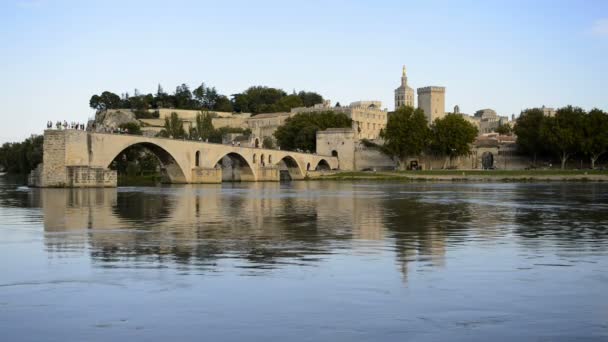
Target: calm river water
column 305, row 261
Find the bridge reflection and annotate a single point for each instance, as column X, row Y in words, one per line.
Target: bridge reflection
column 258, row 226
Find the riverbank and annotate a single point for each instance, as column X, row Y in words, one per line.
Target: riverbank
column 467, row 175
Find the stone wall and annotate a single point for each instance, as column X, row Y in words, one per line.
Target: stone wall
column 339, row 142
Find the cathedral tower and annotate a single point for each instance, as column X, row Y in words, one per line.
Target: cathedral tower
column 404, row 95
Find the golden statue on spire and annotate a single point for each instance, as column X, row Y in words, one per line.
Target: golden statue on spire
column 404, row 70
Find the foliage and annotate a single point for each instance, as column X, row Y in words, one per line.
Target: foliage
column 527, row 129
column 260, row 99
column 203, row 126
column 595, row 135
column 406, row 134
column 452, row 136
column 174, row 127
column 106, row 100
column 299, row 131
column 135, row 161
column 504, row 130
column 21, row 157
column 131, row 128
column 268, row 143
column 563, row 133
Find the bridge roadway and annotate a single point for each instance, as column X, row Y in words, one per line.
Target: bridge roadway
column 74, row 158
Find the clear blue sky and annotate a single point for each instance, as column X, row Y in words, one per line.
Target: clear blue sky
column 506, row 55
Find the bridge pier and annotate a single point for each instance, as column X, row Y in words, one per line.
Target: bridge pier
column 206, row 175
column 65, row 163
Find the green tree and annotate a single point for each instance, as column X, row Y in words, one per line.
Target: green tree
column 595, row 135
column 174, row 127
column 203, row 126
column 268, row 143
column 527, row 129
column 107, row 100
column 131, row 128
column 504, row 130
column 406, row 134
column 21, row 157
column 309, row 98
column 563, row 133
column 452, row 136
column 299, row 131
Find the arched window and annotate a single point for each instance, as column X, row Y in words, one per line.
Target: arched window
column 197, row 158
column 308, row 167
column 269, row 159
column 262, row 159
column 334, row 153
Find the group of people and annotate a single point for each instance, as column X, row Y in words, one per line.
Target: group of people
column 66, row 125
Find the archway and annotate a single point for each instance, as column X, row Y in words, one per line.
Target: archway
column 323, row 165
column 235, row 168
column 170, row 170
column 487, row 160
column 334, row 153
column 289, row 169
column 257, row 143
column 197, row 158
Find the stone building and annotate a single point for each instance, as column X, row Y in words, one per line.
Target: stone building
column 489, row 121
column 404, row 95
column 368, row 116
column 432, row 101
column 264, row 125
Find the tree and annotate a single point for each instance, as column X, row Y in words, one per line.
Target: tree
column 310, row 99
column 268, row 143
column 563, row 133
column 107, row 100
column 406, row 134
column 223, row 104
column 504, row 130
column 131, row 128
column 21, row 157
column 174, row 127
column 595, row 135
column 452, row 136
column 203, row 126
column 183, row 97
column 299, row 131
column 527, row 129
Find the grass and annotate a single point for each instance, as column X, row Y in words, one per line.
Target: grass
column 502, row 175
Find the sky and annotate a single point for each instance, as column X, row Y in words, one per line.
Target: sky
column 506, row 55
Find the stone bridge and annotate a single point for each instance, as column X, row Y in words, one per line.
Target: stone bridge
column 74, row 158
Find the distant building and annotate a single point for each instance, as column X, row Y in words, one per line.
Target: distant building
column 404, row 95
column 489, row 121
column 368, row 116
column 432, row 101
column 548, row 111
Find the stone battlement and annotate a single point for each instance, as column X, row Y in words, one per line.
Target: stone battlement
column 431, row 89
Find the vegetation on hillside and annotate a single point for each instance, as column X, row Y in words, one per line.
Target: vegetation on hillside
column 257, row 99
column 299, row 131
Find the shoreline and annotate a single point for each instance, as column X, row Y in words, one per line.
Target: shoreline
column 467, row 176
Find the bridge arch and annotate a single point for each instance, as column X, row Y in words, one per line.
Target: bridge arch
column 235, row 168
column 289, row 168
column 171, row 170
column 322, row 165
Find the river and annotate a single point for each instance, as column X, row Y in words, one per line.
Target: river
column 305, row 261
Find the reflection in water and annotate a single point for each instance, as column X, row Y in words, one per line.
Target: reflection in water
column 263, row 261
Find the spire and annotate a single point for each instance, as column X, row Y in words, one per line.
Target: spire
column 403, row 74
